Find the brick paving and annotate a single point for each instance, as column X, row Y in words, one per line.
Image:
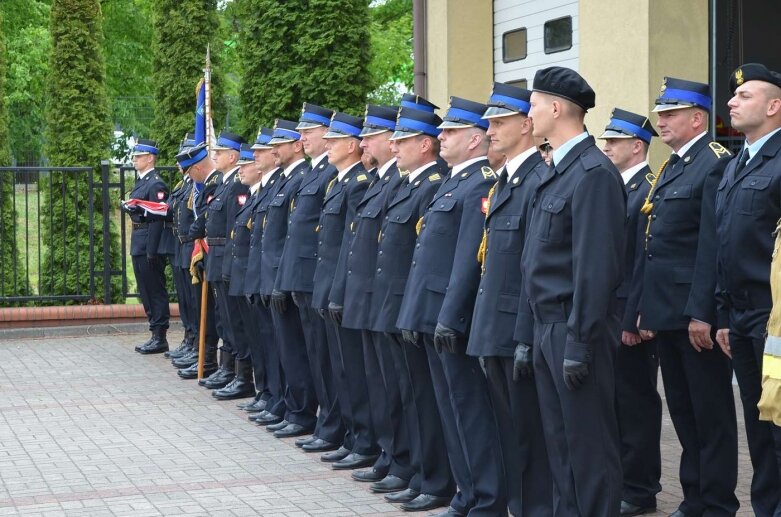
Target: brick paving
column 88, row 427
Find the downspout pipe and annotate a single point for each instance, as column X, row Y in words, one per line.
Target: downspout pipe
column 419, row 46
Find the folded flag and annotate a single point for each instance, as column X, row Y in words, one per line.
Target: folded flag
column 150, row 207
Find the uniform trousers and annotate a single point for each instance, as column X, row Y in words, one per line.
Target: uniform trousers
column 257, row 337
column 747, row 343
column 517, row 410
column 300, row 398
column 698, row 390
column 330, row 426
column 388, row 415
column 581, row 431
column 183, row 297
column 226, row 316
column 150, row 277
column 469, row 428
column 212, row 316
column 353, row 396
column 275, row 377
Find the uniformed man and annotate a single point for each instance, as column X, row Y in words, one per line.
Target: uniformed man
column 503, row 344
column 340, row 204
column 351, row 302
column 678, row 303
column 228, row 198
column 248, row 175
column 297, row 270
column 638, row 404
column 748, row 207
column 150, row 242
column 416, row 148
column 437, row 312
column 180, row 218
column 274, row 408
column 195, row 162
column 573, row 266
column 300, row 398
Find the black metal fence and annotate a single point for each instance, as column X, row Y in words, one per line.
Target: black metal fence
column 79, row 207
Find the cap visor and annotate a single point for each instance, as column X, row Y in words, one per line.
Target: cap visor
column 454, row 125
column 669, row 107
column 139, row 153
column 277, row 140
column 400, row 135
column 369, row 131
column 308, row 125
column 496, row 112
column 256, row 147
column 335, row 134
column 244, row 162
column 610, row 134
column 221, row 148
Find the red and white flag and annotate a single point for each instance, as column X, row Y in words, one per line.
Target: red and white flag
column 149, row 207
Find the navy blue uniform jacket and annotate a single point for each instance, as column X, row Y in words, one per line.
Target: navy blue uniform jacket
column 299, row 258
column 275, row 225
column 679, row 280
column 397, row 245
column 443, row 281
column 748, row 207
column 339, row 209
column 152, row 237
column 254, row 256
column 574, row 254
column 496, row 325
column 355, row 271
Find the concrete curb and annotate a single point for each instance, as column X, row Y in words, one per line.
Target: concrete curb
column 81, row 330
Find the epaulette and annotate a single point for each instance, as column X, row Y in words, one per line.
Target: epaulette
column 650, row 178
column 435, row 177
column 236, row 178
column 213, row 179
column 719, row 150
column 179, row 185
column 592, row 160
column 361, row 177
column 488, row 172
column 403, row 174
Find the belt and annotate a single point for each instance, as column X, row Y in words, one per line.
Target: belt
column 215, row 241
column 185, row 239
column 551, row 312
column 138, row 226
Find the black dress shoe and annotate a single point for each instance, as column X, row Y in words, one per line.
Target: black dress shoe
column 338, row 454
column 186, row 360
column 319, row 445
column 266, row 418
column 425, row 502
column 276, row 427
column 369, row 476
column 255, row 405
column 629, row 509
column 389, row 484
column 450, row 512
column 236, row 389
column 677, row 513
column 355, row 461
column 291, row 430
column 192, row 371
column 300, row 442
column 218, row 379
column 405, row 496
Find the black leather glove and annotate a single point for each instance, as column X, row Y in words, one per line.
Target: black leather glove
column 522, row 362
column 481, row 360
column 296, row 299
column 575, row 373
column 336, row 312
column 278, row 301
column 323, row 313
column 265, row 300
column 253, row 299
column 446, row 339
column 411, row 337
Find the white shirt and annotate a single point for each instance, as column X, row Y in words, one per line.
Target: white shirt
column 266, row 177
column 463, row 165
column 142, row 174
column 316, row 161
column 417, row 172
column 688, row 145
column 628, row 174
column 254, row 188
column 228, row 175
column 755, row 147
column 514, row 164
column 289, row 169
column 340, row 176
column 382, row 170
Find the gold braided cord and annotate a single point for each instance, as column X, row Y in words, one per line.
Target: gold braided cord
column 419, row 226
column 330, row 186
column 483, row 248
column 648, row 207
column 190, row 199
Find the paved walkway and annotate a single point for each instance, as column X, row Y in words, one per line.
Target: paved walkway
column 89, row 427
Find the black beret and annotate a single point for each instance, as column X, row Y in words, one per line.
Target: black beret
column 753, row 72
column 565, row 83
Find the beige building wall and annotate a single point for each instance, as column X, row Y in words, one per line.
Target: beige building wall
column 627, row 47
column 459, row 50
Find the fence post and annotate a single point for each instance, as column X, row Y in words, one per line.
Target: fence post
column 104, row 183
